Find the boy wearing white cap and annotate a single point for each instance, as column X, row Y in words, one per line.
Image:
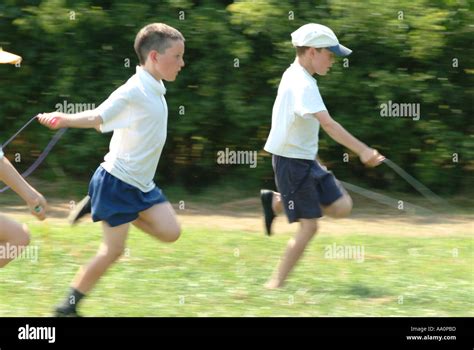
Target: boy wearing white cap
column 307, row 190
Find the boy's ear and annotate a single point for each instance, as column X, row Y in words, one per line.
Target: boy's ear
column 153, row 55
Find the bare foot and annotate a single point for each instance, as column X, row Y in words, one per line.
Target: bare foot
column 273, row 284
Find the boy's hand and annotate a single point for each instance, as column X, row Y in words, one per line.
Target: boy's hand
column 38, row 206
column 371, row 157
column 54, row 120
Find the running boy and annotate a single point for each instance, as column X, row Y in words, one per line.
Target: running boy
column 13, row 236
column 122, row 190
column 307, row 190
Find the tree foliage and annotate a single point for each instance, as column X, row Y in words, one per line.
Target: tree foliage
column 415, row 51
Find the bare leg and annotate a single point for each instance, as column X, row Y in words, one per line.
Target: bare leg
column 277, row 205
column 12, row 234
column 160, row 222
column 293, row 253
column 341, row 208
column 110, row 250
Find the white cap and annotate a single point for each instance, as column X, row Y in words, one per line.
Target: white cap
column 7, row 57
column 317, row 35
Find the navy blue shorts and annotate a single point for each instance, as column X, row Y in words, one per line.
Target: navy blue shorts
column 304, row 186
column 117, row 202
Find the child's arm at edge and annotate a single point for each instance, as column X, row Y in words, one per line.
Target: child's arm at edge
column 12, row 178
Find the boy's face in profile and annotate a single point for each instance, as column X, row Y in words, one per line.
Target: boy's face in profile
column 168, row 64
column 321, row 60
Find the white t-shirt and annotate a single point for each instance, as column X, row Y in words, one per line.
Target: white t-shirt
column 294, row 132
column 1, row 153
column 138, row 115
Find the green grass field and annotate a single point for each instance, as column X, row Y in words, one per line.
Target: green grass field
column 221, row 272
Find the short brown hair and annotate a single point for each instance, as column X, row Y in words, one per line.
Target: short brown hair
column 300, row 50
column 155, row 36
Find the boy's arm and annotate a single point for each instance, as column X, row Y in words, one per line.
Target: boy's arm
column 367, row 155
column 57, row 120
column 12, row 178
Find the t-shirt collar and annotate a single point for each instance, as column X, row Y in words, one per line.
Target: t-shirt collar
column 299, row 66
column 150, row 82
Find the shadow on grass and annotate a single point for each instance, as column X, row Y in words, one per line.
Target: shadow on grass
column 366, row 292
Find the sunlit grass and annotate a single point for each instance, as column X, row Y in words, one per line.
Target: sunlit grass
column 221, row 273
